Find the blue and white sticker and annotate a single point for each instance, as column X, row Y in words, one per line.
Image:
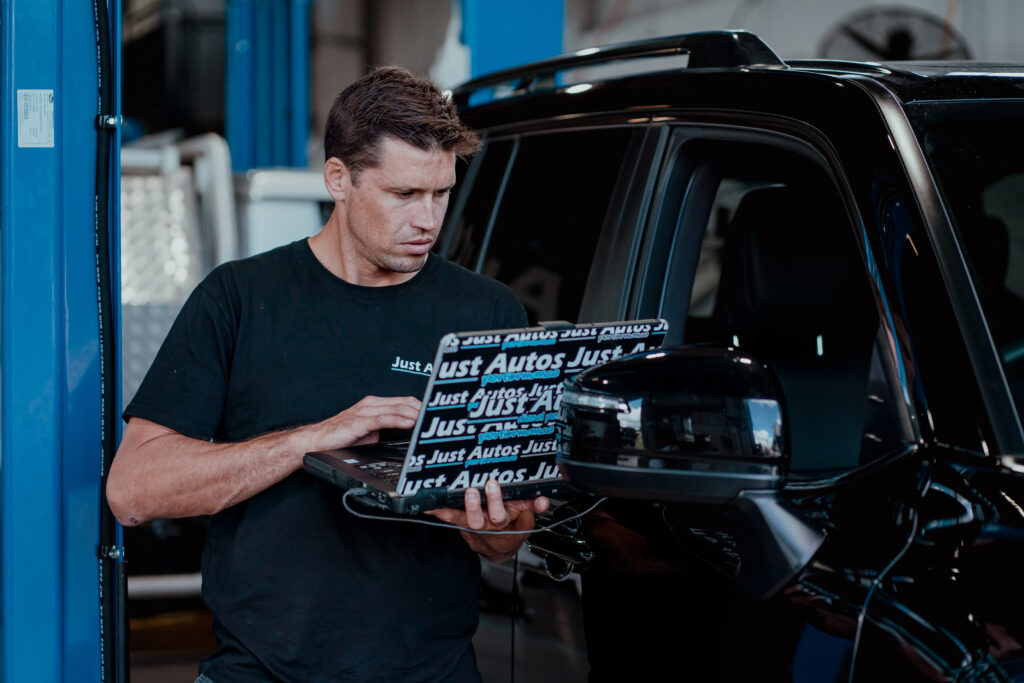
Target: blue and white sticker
column 35, row 118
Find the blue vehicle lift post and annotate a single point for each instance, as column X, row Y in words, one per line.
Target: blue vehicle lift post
column 268, row 82
column 56, row 404
column 505, row 34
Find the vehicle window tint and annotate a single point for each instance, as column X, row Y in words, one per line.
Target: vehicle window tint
column 475, row 203
column 550, row 216
column 941, row 378
column 709, row 266
column 977, row 152
column 780, row 275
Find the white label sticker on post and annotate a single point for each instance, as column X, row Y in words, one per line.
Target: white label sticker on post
column 35, row 118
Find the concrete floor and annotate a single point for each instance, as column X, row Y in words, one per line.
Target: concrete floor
column 165, row 666
column 167, row 648
column 540, row 659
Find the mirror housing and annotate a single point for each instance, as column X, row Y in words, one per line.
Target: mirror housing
column 696, row 425
column 675, row 424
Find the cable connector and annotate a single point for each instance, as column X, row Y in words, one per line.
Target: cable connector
column 110, row 552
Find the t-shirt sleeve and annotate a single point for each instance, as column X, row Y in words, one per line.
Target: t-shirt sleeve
column 186, row 387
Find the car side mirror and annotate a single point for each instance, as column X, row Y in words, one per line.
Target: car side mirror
column 698, row 425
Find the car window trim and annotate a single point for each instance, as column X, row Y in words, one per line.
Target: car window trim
column 499, row 198
column 996, row 395
column 617, row 255
column 656, row 280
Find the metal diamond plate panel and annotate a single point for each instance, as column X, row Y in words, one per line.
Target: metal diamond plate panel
column 162, row 260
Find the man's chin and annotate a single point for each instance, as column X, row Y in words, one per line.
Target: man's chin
column 406, row 264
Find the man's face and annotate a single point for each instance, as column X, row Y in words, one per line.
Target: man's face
column 392, row 212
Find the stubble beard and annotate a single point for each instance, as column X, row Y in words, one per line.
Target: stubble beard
column 400, row 264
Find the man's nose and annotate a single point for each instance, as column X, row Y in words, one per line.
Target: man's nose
column 429, row 213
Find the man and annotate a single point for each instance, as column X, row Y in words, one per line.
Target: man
column 273, row 356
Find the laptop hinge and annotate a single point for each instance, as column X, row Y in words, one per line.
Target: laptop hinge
column 556, row 324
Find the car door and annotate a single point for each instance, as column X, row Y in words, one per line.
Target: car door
column 760, row 240
column 756, row 243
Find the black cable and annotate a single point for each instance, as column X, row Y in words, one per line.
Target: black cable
column 113, row 626
column 513, row 610
column 355, row 493
column 874, row 585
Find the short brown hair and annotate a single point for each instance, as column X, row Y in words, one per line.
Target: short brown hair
column 390, row 101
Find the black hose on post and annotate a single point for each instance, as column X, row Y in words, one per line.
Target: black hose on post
column 112, row 577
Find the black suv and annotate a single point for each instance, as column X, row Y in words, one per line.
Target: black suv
column 853, row 235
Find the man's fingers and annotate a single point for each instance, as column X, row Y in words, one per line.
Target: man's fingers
column 398, row 407
column 358, row 423
column 495, row 505
column 382, row 420
column 445, row 515
column 372, row 437
column 536, row 505
column 499, row 514
column 474, row 512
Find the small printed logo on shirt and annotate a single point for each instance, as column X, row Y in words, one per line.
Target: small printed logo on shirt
column 411, row 366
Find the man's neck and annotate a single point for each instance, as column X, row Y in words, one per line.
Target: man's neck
column 331, row 250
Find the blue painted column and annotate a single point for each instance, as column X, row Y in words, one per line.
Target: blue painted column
column 30, row 327
column 268, row 82
column 505, row 34
column 50, row 450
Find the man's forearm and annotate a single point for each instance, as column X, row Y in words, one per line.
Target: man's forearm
column 160, row 473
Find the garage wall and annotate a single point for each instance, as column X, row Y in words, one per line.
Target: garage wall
column 348, row 36
column 794, row 28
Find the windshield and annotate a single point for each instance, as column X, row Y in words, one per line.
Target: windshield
column 976, row 149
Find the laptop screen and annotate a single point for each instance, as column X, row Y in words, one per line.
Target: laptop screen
column 492, row 401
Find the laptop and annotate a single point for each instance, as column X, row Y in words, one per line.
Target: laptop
column 489, row 412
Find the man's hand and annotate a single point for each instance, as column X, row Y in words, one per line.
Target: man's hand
column 510, row 515
column 362, row 422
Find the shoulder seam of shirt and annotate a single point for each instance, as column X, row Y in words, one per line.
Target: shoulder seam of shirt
column 204, row 290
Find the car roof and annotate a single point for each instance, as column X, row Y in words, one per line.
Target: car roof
column 714, row 54
column 930, row 80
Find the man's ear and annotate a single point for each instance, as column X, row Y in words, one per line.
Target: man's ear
column 337, row 178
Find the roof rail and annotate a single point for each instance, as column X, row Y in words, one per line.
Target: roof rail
column 707, row 49
column 903, row 69
column 870, row 68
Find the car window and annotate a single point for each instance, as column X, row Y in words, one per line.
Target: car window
column 765, row 259
column 940, row 376
column 534, row 224
column 977, row 152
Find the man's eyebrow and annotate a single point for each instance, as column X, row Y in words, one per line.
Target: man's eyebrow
column 412, row 188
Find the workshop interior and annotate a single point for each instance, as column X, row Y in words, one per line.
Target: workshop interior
column 146, row 142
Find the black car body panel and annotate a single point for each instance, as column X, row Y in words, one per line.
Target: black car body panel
column 845, row 224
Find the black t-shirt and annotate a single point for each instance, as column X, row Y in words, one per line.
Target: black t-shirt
column 301, row 590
